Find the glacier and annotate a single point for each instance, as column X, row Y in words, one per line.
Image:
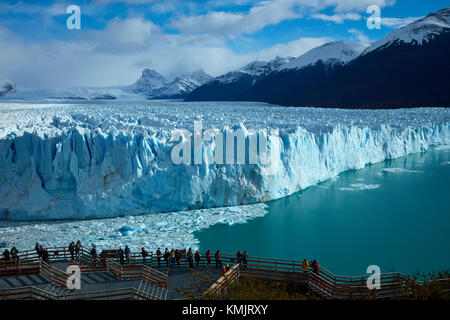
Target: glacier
column 85, row 160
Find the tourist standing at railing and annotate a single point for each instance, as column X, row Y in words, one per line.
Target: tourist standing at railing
column 45, row 256
column 315, row 267
column 172, row 258
column 158, row 256
column 178, row 257
column 239, row 257
column 305, row 265
column 121, row 255
column 190, row 258
column 167, row 256
column 208, row 258
column 245, row 259
column 197, row 258
column 6, row 255
column 218, row 258
column 78, row 249
column 14, row 254
column 72, row 250
column 39, row 250
column 94, row 253
column 127, row 254
column 144, row 255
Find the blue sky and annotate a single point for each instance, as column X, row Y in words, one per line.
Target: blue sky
column 118, row 38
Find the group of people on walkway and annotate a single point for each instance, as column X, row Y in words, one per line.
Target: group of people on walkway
column 75, row 249
column 313, row 265
column 41, row 252
column 171, row 258
column 12, row 254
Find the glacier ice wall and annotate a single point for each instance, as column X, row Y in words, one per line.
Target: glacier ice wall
column 81, row 172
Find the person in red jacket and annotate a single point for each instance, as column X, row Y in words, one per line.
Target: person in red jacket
column 315, row 267
column 208, row 258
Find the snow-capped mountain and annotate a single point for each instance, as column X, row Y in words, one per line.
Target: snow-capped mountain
column 7, row 88
column 241, row 84
column 258, row 68
column 149, row 82
column 254, row 69
column 181, row 86
column 234, row 85
column 408, row 68
column 418, row 32
column 151, row 85
column 330, row 53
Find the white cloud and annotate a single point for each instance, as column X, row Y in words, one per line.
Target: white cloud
column 337, row 18
column 125, row 1
column 292, row 49
column 360, row 36
column 271, row 12
column 124, row 36
column 225, row 23
column 353, row 5
column 398, row 22
column 117, row 55
column 27, row 8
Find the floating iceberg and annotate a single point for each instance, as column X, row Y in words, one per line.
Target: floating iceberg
column 111, row 159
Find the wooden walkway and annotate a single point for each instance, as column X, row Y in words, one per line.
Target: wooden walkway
column 106, row 278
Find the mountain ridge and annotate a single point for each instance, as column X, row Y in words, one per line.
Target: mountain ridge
column 151, row 85
column 398, row 71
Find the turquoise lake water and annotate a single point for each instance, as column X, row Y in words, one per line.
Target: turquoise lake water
column 395, row 214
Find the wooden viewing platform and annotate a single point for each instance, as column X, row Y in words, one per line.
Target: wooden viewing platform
column 105, row 278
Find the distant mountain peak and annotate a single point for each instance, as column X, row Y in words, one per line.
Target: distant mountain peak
column 149, row 74
column 7, row 88
column 154, row 85
column 199, row 76
column 149, row 81
column 417, row 32
column 331, row 53
column 255, row 68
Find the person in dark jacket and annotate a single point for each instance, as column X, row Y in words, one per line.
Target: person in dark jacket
column 121, row 255
column 244, row 259
column 178, row 257
column 144, row 254
column 197, row 258
column 208, row 258
column 45, row 256
column 6, row 255
column 127, row 254
column 218, row 258
column 78, row 249
column 159, row 256
column 190, row 258
column 38, row 249
column 173, row 258
column 94, row 252
column 239, row 257
column 72, row 250
column 14, row 254
column 166, row 256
